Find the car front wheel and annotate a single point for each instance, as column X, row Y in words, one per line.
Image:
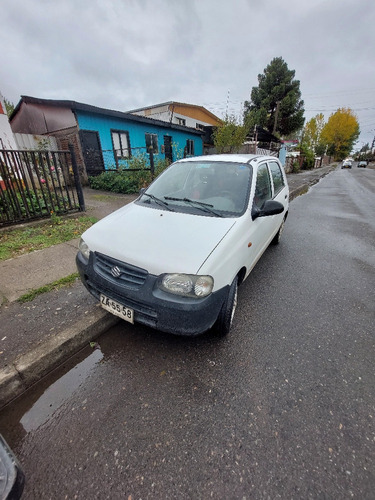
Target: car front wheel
column 224, row 321
column 277, row 237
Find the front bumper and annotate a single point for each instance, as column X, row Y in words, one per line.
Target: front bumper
column 137, row 289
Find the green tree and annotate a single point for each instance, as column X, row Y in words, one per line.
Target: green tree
column 9, row 106
column 340, row 133
column 229, row 136
column 308, row 157
column 312, row 134
column 276, row 103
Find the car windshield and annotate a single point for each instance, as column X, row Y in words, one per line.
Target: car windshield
column 218, row 189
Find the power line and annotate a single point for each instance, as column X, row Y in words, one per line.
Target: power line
column 336, row 92
column 343, row 106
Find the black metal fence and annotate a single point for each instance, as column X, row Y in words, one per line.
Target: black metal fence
column 34, row 184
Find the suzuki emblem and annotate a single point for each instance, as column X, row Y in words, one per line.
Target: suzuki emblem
column 116, row 272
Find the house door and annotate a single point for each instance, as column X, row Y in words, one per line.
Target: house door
column 168, row 148
column 92, row 152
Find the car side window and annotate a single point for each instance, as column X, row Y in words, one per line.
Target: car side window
column 277, row 176
column 263, row 190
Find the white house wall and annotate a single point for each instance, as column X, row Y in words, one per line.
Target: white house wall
column 7, row 140
column 31, row 141
column 164, row 114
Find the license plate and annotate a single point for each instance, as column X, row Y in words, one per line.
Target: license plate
column 117, row 309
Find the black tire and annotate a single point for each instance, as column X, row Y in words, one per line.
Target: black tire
column 277, row 237
column 225, row 318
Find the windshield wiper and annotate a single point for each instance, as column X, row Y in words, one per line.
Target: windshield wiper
column 158, row 201
column 206, row 207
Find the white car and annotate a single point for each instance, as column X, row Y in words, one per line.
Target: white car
column 174, row 257
column 347, row 164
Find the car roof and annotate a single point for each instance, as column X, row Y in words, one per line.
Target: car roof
column 235, row 158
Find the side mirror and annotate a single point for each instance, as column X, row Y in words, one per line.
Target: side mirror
column 270, row 207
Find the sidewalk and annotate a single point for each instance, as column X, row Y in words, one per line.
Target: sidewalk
column 39, row 335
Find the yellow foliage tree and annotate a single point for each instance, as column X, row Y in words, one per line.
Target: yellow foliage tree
column 340, row 133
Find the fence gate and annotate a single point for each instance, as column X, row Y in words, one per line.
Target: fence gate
column 35, row 183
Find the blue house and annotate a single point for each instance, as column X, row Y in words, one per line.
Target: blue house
column 104, row 139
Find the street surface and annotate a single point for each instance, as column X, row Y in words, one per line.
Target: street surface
column 284, row 407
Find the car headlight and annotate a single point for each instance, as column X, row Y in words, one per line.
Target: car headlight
column 188, row 285
column 84, row 249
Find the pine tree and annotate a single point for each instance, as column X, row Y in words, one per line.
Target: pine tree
column 276, row 103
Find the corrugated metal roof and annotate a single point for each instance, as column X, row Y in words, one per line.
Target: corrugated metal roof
column 79, row 106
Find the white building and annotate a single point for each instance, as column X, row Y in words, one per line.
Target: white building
column 7, row 140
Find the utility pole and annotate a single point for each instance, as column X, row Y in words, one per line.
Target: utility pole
column 276, row 116
column 226, row 111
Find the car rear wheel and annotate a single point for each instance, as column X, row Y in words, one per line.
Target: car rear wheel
column 224, row 321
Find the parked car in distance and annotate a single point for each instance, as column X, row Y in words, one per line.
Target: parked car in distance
column 362, row 164
column 346, row 164
column 173, row 258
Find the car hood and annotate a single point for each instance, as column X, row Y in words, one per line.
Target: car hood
column 159, row 241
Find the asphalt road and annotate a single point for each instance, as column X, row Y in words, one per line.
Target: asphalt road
column 284, row 407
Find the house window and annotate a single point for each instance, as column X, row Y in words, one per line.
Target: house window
column 181, row 121
column 152, row 142
column 190, row 147
column 199, row 126
column 121, row 143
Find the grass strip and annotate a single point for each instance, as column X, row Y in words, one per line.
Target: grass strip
column 56, row 285
column 22, row 240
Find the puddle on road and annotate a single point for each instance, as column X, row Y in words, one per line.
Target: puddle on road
column 36, row 406
column 59, row 392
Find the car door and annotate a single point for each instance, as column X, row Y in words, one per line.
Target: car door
column 261, row 229
column 279, row 187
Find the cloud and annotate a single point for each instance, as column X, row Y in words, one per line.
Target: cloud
column 123, row 54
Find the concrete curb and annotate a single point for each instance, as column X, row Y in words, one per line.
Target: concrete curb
column 298, row 191
column 31, row 367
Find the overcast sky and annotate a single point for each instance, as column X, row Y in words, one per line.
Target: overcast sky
column 125, row 54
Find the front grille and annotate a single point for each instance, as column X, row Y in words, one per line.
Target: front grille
column 126, row 275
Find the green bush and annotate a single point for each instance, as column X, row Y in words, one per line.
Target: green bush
column 295, row 167
column 126, row 181
column 32, row 203
column 308, row 157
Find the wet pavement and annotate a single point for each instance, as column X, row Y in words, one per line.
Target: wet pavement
column 281, row 408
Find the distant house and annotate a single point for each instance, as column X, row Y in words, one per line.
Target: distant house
column 103, row 138
column 189, row 115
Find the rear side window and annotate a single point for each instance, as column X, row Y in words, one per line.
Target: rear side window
column 263, row 190
column 277, row 176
